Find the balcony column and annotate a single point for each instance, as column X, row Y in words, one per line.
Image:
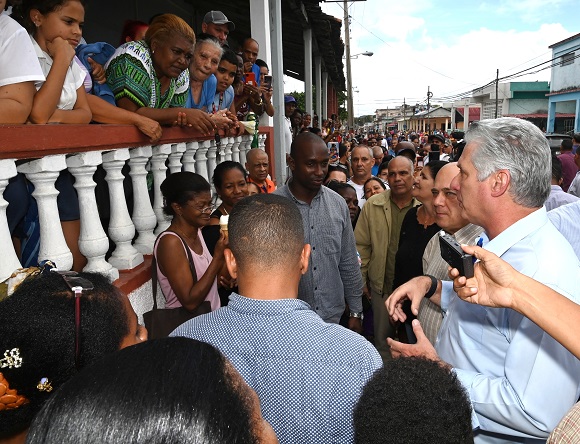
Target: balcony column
column 43, row 174
column 121, row 228
column 236, row 148
column 159, row 170
column 188, row 159
column 211, row 157
column 262, row 141
column 245, row 147
column 143, row 216
column 228, row 143
column 177, row 150
column 93, row 241
column 8, row 259
column 201, row 159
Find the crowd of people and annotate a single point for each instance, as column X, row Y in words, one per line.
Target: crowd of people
column 333, row 316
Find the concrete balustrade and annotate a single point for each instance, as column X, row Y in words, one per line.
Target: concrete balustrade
column 131, row 230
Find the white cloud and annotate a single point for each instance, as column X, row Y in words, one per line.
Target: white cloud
column 409, row 56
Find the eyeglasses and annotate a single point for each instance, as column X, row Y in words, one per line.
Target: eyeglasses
column 77, row 284
column 206, row 210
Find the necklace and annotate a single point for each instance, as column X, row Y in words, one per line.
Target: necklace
column 423, row 218
column 224, row 210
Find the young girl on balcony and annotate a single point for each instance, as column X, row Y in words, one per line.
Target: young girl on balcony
column 55, row 28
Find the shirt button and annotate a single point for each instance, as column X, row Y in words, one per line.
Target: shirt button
column 313, row 248
column 314, row 268
column 312, row 227
column 316, row 288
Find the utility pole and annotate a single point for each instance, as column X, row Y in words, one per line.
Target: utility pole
column 429, row 95
column 404, row 115
column 349, row 103
column 496, row 91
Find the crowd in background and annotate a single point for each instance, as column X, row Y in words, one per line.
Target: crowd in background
column 314, row 286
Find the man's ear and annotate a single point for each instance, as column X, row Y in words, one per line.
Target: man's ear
column 231, row 263
column 500, row 184
column 304, row 258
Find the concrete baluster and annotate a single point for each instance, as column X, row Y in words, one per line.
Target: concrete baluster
column 188, row 159
column 93, row 241
column 159, row 170
column 43, row 174
column 236, row 148
column 227, row 143
column 177, row 150
column 211, row 157
column 121, row 228
column 8, row 259
column 201, row 159
column 245, row 146
column 144, row 218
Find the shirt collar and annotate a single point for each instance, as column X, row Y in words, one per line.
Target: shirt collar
column 244, row 305
column 516, row 232
column 295, row 199
column 40, row 53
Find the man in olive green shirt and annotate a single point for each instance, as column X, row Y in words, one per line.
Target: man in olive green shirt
column 377, row 240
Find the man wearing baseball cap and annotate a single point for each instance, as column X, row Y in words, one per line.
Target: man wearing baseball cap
column 217, row 24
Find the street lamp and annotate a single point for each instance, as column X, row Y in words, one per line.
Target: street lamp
column 349, row 102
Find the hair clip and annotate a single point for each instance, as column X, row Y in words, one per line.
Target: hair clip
column 11, row 359
column 44, row 385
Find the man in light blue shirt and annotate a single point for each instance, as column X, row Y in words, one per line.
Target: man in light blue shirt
column 566, row 219
column 520, row 380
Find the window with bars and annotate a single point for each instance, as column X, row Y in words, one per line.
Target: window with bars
column 568, row 59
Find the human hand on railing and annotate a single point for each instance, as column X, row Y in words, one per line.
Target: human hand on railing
column 149, row 127
column 198, row 120
column 222, row 120
column 97, row 71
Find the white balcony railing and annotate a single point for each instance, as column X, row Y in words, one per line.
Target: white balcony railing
column 177, row 152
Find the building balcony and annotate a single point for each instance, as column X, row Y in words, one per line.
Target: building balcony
column 40, row 152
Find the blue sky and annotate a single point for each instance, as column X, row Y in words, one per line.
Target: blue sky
column 449, row 46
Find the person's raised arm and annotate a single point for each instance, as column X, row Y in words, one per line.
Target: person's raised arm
column 497, row 284
column 174, row 264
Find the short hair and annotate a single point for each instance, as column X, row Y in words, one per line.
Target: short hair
column 342, row 149
column 265, row 231
column 519, row 147
column 576, row 137
column 363, row 146
column 376, row 179
column 222, row 168
column 262, row 64
column 304, row 138
column 130, row 29
column 332, row 168
column 567, row 145
column 384, row 165
column 411, row 164
column 556, row 168
column 413, row 400
column 180, row 188
column 39, row 320
column 209, row 39
column 435, row 165
column 230, row 56
column 337, row 187
column 146, row 394
column 166, row 26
